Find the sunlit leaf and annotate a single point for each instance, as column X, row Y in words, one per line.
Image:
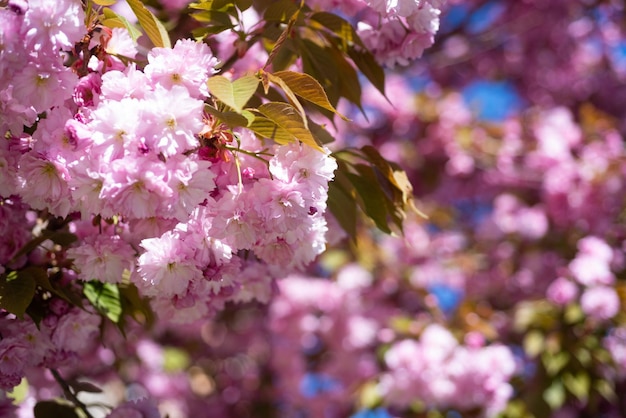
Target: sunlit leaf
column 369, row 395
column 153, row 27
column 105, row 297
column 555, row 363
column 216, row 5
column 555, row 395
column 175, row 359
column 105, row 2
column 266, row 78
column 339, row 26
column 287, row 117
column 232, row 119
column 578, row 385
column 265, row 128
column 534, row 343
column 307, row 88
column 234, row 94
column 606, row 389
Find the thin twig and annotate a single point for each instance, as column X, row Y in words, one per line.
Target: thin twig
column 69, row 394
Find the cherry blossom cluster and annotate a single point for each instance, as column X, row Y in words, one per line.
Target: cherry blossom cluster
column 397, row 32
column 444, row 374
column 63, row 337
column 591, row 270
column 162, row 200
column 33, row 77
column 349, row 320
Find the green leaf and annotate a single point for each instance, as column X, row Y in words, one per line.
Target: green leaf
column 268, row 129
column 606, row 389
column 135, row 305
column 55, row 409
column 105, row 297
column 573, row 314
column 317, row 62
column 62, row 238
column 113, row 20
column 555, row 395
column 369, row 395
column 280, row 11
column 79, row 386
column 372, row 200
column 555, row 363
column 349, row 86
column 266, row 78
column 329, row 66
column 285, row 56
column 17, row 289
column 339, row 26
column 175, row 359
column 282, row 39
column 232, row 119
column 578, row 385
column 367, row 64
column 105, row 2
column 153, row 27
column 287, row 117
column 234, row 94
column 215, row 5
column 396, row 178
column 214, row 19
column 243, row 4
column 320, row 133
column 534, row 343
column 342, row 204
column 307, row 88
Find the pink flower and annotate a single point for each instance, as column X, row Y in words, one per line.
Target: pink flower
column 191, row 182
column 15, row 355
column 166, row 268
column 76, row 330
column 302, row 164
column 102, row 257
column 173, row 118
column 87, row 90
column 42, row 87
column 600, row 302
column 596, row 247
column 562, row 291
column 120, row 43
column 131, row 83
column 188, row 64
column 115, row 128
column 57, row 23
column 137, row 186
column 590, row 270
column 43, row 184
